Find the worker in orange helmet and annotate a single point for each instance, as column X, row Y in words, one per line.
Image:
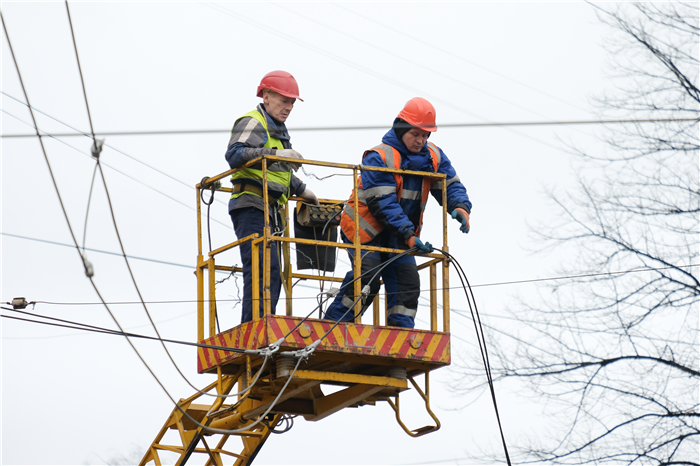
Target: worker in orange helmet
column 390, row 210
column 263, row 132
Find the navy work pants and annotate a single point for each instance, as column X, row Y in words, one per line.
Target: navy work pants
column 401, row 281
column 247, row 221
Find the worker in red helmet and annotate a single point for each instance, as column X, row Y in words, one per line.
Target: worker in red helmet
column 263, row 132
column 390, row 209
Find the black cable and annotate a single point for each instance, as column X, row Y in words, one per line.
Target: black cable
column 92, row 328
column 44, row 133
column 80, row 133
column 80, row 70
column 208, row 204
column 482, row 343
column 87, row 212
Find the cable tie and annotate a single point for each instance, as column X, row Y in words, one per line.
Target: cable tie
column 96, row 148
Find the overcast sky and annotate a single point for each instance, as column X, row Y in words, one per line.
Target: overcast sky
column 74, row 398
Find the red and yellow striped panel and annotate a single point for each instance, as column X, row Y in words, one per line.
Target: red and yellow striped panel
column 349, row 338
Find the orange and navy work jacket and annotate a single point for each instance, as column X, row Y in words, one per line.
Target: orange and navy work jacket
column 395, row 202
column 370, row 226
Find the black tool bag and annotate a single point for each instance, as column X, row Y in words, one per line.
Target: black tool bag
column 309, row 223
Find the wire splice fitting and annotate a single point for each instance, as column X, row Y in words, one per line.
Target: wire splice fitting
column 303, row 353
column 96, row 148
column 89, row 270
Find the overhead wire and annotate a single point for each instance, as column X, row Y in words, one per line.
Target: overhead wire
column 44, row 133
column 481, row 341
column 370, row 127
column 453, row 55
column 512, row 282
column 395, row 55
column 259, row 25
column 80, row 133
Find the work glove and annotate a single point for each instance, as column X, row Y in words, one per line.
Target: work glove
column 415, row 242
column 291, row 153
column 462, row 217
column 309, row 196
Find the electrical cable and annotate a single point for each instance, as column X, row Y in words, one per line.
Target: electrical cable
column 413, row 64
column 335, row 57
column 447, row 52
column 482, row 342
column 514, row 282
column 93, row 328
column 80, row 71
column 96, row 151
column 360, row 128
column 115, row 169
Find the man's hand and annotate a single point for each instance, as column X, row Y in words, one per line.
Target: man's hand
column 415, row 242
column 309, row 196
column 292, row 154
column 462, row 217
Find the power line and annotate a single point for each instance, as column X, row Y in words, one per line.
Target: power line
column 44, row 133
column 80, row 133
column 512, row 282
column 92, row 328
column 367, row 127
column 98, row 250
column 454, row 55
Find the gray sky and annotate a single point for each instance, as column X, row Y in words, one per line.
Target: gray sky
column 75, row 398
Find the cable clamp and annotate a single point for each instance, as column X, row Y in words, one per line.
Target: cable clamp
column 364, row 293
column 89, row 270
column 96, row 148
column 269, row 351
column 333, row 292
column 19, row 303
column 303, row 353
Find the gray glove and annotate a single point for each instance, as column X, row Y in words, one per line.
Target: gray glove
column 291, row 153
column 309, row 196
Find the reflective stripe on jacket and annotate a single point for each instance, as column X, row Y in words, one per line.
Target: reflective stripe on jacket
column 279, row 176
column 369, row 226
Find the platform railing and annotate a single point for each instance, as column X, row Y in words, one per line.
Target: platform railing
column 266, row 241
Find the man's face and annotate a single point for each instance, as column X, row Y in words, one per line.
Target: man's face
column 415, row 139
column 278, row 106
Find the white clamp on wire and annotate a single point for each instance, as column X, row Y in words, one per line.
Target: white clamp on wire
column 89, row 270
column 19, row 303
column 96, row 148
column 364, row 293
column 303, row 353
column 333, row 292
column 268, row 351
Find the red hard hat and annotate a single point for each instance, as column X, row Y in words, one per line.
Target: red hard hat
column 281, row 82
column 420, row 113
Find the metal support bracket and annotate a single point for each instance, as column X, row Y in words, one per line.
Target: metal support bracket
column 426, row 397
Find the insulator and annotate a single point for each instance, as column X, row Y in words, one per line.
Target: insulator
column 285, row 365
column 397, row 373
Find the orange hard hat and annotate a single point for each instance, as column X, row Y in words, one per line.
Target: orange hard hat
column 420, row 113
column 281, row 82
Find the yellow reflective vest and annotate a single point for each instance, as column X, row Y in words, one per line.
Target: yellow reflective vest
column 279, row 176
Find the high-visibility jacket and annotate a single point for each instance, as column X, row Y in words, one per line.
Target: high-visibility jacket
column 369, row 226
column 279, row 176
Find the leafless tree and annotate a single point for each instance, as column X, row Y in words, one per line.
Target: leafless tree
column 613, row 358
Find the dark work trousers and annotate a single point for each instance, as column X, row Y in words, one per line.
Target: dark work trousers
column 401, row 281
column 247, row 221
